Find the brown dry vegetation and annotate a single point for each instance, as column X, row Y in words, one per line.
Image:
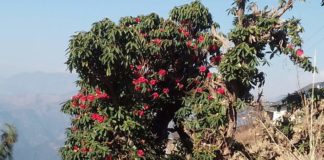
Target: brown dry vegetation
column 263, row 139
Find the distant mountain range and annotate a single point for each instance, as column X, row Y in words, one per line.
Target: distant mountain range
column 32, row 102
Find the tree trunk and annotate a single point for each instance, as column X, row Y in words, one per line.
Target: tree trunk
column 232, row 121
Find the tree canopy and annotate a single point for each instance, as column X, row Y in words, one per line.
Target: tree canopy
column 137, row 75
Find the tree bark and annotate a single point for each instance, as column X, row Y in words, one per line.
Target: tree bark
column 240, row 11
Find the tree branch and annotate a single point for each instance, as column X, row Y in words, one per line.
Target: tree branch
column 240, row 11
column 282, row 9
column 224, row 40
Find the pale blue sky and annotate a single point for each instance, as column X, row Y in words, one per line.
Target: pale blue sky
column 34, row 34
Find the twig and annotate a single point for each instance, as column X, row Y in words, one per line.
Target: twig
column 225, row 41
column 300, row 155
column 311, row 135
column 283, row 9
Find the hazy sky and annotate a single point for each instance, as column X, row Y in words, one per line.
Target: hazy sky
column 34, row 34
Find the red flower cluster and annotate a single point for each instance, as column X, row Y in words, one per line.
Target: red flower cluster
column 137, row 20
column 155, row 95
column 140, row 80
column 76, row 148
column 191, row 45
column 202, row 69
column 91, row 98
column 153, row 82
column 140, row 113
column 220, row 91
column 300, row 52
column 290, row 46
column 209, row 75
column 162, row 72
column 140, row 153
column 201, row 39
column 215, row 59
column 166, row 90
column 81, row 100
column 156, row 41
column 199, row 90
column 213, row 48
column 85, row 150
column 146, row 107
column 184, row 32
column 180, row 86
column 97, row 117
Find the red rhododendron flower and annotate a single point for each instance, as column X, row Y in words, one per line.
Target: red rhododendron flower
column 299, row 52
column 155, row 95
column 131, row 67
column 290, row 46
column 220, row 91
column 188, row 44
column 140, row 113
column 97, row 117
column 186, row 33
column 76, row 97
column 201, row 38
column 202, row 69
column 76, row 148
column 75, row 104
column 209, row 75
column 213, row 48
column 210, row 97
column 103, row 96
column 83, row 99
column 83, row 106
column 140, row 153
column 180, row 85
column 138, row 88
column 91, row 98
column 153, row 82
column 108, row 157
column 97, row 90
column 84, row 150
column 146, row 107
column 166, row 90
column 162, row 72
column 180, row 30
column 215, row 59
column 142, row 80
column 137, row 20
column 156, row 41
column 139, row 67
column 195, row 47
column 135, row 82
column 218, row 58
column 199, row 90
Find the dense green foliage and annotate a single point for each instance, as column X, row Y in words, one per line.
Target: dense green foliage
column 137, row 75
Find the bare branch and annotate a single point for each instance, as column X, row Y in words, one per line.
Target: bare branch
column 240, row 11
column 224, row 40
column 282, row 9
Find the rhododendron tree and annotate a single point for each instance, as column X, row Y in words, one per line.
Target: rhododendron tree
column 137, row 75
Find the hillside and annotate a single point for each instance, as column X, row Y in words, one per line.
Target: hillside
column 31, row 101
